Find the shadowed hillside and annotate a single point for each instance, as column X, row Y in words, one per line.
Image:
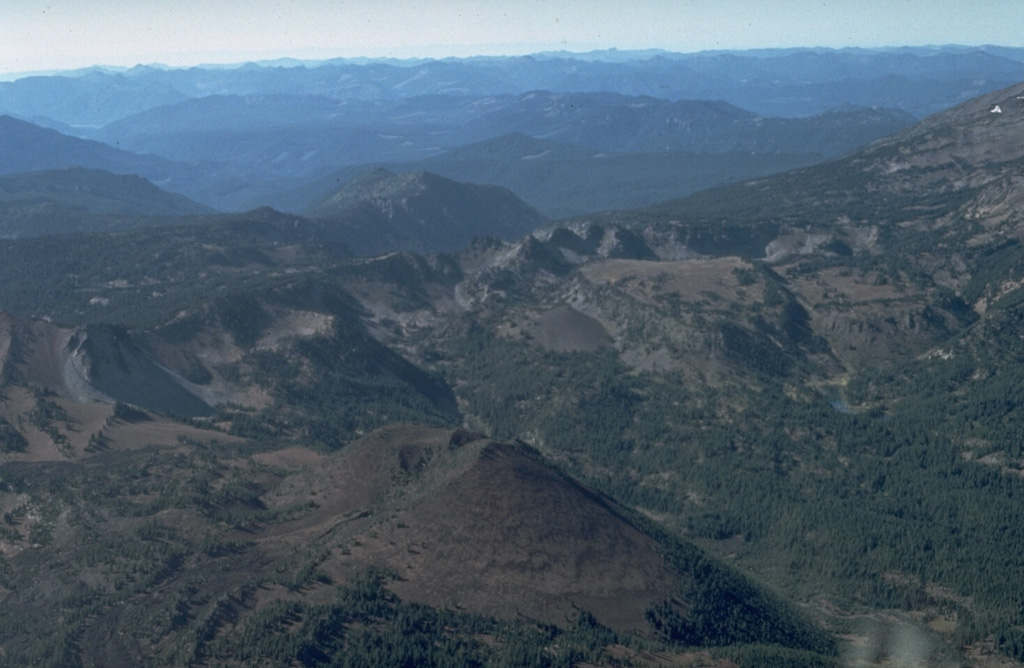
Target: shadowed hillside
column 380, row 211
column 28, row 148
column 97, row 191
column 74, row 199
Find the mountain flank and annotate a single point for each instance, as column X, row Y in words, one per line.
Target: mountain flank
column 77, row 199
column 955, row 166
column 483, row 526
column 381, row 211
column 488, row 527
column 97, row 191
column 29, row 147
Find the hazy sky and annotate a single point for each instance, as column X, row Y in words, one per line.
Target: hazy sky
column 40, row 35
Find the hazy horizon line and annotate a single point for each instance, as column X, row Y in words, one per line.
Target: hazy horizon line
column 311, row 60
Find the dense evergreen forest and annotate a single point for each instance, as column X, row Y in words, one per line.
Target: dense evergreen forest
column 891, row 504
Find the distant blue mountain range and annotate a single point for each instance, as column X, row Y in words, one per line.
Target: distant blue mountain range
column 621, row 128
column 782, row 82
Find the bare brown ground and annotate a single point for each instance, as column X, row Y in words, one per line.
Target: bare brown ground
column 290, row 458
column 161, row 432
column 482, row 526
column 648, row 659
column 93, row 419
column 839, row 284
column 692, row 280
